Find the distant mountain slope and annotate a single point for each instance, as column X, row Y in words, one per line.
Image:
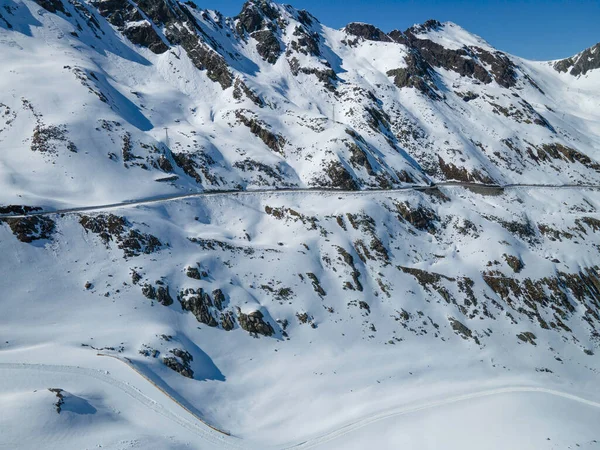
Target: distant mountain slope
column 160, row 90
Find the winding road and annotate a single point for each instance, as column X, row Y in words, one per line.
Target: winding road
column 493, row 188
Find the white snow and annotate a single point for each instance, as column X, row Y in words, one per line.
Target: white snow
column 352, row 376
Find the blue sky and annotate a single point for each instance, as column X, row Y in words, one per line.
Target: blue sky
column 534, row 29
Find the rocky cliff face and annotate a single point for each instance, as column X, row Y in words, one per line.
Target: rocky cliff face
column 582, row 63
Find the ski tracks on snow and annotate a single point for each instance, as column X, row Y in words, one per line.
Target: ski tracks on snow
column 353, row 426
column 218, row 440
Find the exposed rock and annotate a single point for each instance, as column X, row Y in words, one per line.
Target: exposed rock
column 349, row 260
column 556, row 151
column 527, row 336
column 199, row 304
column 367, row 31
column 326, row 75
column 135, row 276
column 163, row 296
column 219, row 299
column 60, row 396
column 307, row 43
column 340, row 177
column 431, row 280
column 267, row 45
column 193, row 272
column 144, row 35
column 467, row 61
column 180, row 362
column 149, row 291
column 582, row 63
column 115, row 228
column 180, row 28
column 422, row 217
column 462, row 330
column 241, row 88
column 227, row 321
column 53, row 6
column 417, row 74
column 253, row 323
column 514, row 262
column 118, row 13
column 273, row 141
column 254, row 16
column 451, row 172
column 33, row 228
column 316, row 285
column 18, row 209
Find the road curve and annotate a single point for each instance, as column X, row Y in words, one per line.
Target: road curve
column 219, row 193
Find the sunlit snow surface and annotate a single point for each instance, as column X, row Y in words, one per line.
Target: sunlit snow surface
column 360, row 378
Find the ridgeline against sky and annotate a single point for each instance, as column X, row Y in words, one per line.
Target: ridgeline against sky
column 536, row 29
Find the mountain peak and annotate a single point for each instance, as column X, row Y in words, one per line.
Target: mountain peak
column 366, row 31
column 429, row 25
column 582, row 63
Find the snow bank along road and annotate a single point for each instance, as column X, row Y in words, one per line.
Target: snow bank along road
column 492, row 188
column 216, row 439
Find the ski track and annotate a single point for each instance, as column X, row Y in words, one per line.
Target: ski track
column 225, row 441
column 151, row 200
column 328, row 437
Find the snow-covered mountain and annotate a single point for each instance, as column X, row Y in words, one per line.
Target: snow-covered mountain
column 321, row 285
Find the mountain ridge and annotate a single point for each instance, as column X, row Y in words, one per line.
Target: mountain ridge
column 335, row 292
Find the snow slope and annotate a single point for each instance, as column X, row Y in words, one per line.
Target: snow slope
column 325, row 319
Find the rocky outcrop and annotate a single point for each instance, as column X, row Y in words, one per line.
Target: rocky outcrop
column 160, row 293
column 274, row 141
column 29, row 229
column 180, row 362
column 144, row 34
column 582, row 63
column 452, row 172
column 219, row 299
column 259, row 19
column 60, row 398
column 199, row 304
column 424, row 54
column 367, row 32
column 18, row 210
column 126, row 17
column 305, row 42
column 460, row 329
column 421, row 217
column 115, row 228
column 253, row 323
column 267, row 45
column 316, row 284
column 349, row 260
column 340, row 177
column 53, row 6
column 527, row 336
column 227, row 321
column 417, row 74
column 193, row 272
column 179, row 27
